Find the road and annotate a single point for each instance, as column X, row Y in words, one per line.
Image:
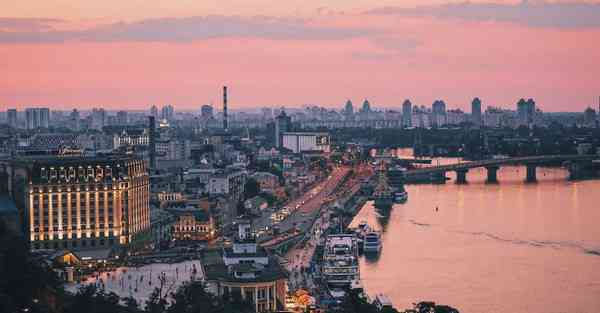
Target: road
column 305, row 209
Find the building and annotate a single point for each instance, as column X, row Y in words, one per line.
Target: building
column 75, row 120
column 526, row 112
column 206, row 111
column 167, row 113
column 154, row 111
column 348, row 111
column 173, row 149
column 37, row 118
column 421, row 117
column 438, row 113
column 246, row 270
column 192, row 224
column 256, row 205
column 494, row 117
column 128, row 136
column 98, row 119
column 299, row 142
column 79, row 202
column 589, row 117
column 476, row 112
column 267, row 113
column 122, row 118
column 406, row 113
column 11, row 118
column 228, row 182
column 267, row 181
column 283, row 123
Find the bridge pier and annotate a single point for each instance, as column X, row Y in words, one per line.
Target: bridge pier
column 531, row 173
column 492, row 176
column 576, row 170
column 438, row 178
column 461, row 176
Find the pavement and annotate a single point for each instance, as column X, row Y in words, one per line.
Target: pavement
column 139, row 282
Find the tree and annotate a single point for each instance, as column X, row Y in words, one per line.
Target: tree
column 156, row 303
column 24, row 283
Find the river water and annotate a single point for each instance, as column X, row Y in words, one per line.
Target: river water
column 509, row 247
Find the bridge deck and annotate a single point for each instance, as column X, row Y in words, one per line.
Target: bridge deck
column 499, row 162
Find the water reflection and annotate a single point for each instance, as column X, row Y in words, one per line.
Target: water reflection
column 491, row 248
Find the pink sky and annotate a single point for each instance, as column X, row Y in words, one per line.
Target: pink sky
column 124, row 54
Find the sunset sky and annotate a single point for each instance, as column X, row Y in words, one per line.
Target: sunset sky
column 135, row 53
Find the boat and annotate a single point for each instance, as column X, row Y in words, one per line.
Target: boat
column 363, row 224
column 340, row 260
column 400, row 195
column 384, row 200
column 360, row 290
column 382, row 301
column 383, row 195
column 372, row 242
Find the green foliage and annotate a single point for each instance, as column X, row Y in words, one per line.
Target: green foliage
column 24, row 283
column 354, row 303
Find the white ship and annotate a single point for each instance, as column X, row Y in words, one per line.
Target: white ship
column 340, row 260
column 372, row 242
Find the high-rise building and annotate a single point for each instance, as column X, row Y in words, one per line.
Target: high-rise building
column 267, row 113
column 438, row 110
column 154, row 111
column 11, row 116
column 526, row 111
column 406, row 113
column 167, row 112
column 98, row 119
column 152, row 141
column 206, row 111
column 476, row 112
column 78, row 202
column 348, row 110
column 37, row 117
column 75, row 120
column 122, row 118
column 589, row 117
column 530, row 111
column 283, row 123
column 366, row 107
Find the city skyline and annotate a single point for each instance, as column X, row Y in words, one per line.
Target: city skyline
column 64, row 54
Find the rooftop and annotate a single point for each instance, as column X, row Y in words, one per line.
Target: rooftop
column 215, row 270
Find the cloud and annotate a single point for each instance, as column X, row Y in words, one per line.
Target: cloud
column 530, row 13
column 182, row 30
column 27, row 24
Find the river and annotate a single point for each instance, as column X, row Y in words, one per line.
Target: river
column 508, row 247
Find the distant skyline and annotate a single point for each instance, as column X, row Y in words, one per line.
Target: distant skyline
column 66, row 54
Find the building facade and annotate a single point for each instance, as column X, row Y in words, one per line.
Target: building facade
column 192, row 224
column 11, row 118
column 79, row 203
column 37, row 118
column 283, row 123
column 246, row 270
column 229, row 182
column 476, row 112
column 299, row 142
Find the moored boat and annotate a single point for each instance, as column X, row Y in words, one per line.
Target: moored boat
column 372, row 242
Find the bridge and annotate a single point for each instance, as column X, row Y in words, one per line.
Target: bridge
column 574, row 164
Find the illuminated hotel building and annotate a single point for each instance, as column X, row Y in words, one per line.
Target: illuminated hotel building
column 79, row 202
